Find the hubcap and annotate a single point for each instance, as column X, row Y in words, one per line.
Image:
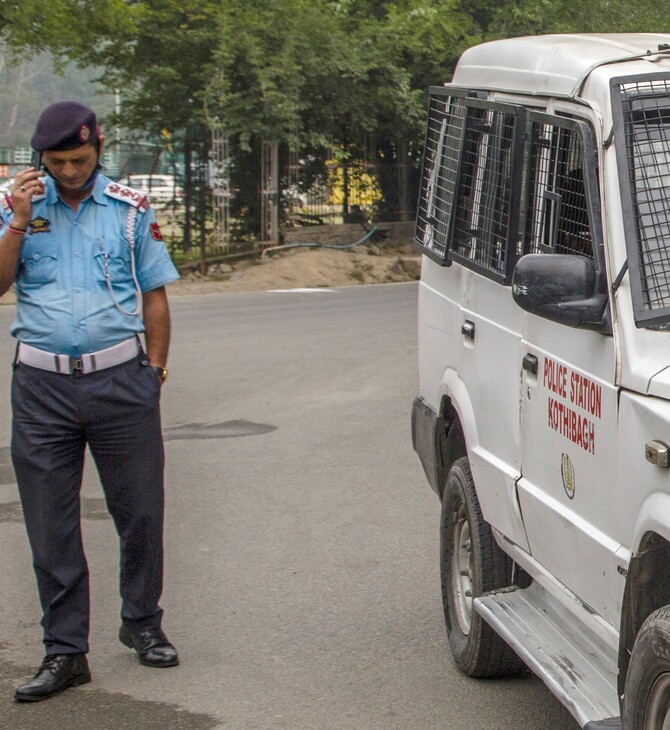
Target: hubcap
column 657, row 712
column 461, row 568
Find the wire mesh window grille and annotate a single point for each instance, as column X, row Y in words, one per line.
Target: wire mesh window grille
column 482, row 219
column 646, row 125
column 440, row 174
column 465, row 206
column 557, row 213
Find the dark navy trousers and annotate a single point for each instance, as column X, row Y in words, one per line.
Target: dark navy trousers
column 116, row 412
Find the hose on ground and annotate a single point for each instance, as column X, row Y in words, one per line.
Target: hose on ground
column 339, row 247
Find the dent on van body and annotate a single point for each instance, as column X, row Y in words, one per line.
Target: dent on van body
column 494, row 477
column 644, row 488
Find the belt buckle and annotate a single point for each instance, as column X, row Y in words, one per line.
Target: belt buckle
column 75, row 364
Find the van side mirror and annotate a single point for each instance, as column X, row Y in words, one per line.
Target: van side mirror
column 563, row 288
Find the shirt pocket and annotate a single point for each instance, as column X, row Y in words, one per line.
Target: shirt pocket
column 39, row 262
column 115, row 265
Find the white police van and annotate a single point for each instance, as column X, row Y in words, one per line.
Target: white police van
column 543, row 421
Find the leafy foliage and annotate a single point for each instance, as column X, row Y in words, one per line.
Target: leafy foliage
column 325, row 72
column 278, row 68
column 526, row 17
column 326, row 69
column 320, row 68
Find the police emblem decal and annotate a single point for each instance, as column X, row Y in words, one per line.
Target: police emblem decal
column 40, row 225
column 84, row 133
column 568, row 475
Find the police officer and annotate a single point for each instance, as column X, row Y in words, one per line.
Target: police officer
column 90, row 269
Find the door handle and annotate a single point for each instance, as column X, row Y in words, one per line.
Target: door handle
column 468, row 329
column 530, row 364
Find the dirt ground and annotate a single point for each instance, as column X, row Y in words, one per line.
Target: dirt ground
column 297, row 268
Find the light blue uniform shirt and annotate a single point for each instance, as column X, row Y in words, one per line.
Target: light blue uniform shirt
column 63, row 304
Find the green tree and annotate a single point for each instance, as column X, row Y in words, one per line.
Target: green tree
column 280, row 67
column 526, row 17
column 321, row 68
column 324, row 72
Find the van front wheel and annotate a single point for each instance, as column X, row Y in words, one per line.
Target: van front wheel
column 471, row 563
column 646, row 702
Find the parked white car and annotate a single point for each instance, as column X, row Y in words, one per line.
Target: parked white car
column 161, row 189
column 543, row 419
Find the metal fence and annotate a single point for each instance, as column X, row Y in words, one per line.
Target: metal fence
column 259, row 194
column 233, row 198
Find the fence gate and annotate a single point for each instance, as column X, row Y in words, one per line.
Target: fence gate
column 270, row 192
column 220, row 187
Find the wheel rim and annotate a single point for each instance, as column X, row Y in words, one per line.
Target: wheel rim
column 461, row 568
column 657, row 712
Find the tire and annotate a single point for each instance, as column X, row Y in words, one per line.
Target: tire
column 471, row 563
column 646, row 701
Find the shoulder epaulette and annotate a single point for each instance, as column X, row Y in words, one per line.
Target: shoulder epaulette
column 133, row 197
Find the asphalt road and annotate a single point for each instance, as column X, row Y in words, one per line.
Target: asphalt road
column 301, row 546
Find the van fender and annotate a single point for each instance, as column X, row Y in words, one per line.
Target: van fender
column 453, row 388
column 647, row 576
column 436, row 438
column 652, row 518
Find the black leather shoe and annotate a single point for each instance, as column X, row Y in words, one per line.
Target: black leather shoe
column 56, row 673
column 151, row 645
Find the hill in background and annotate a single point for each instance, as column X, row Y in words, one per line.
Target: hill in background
column 26, row 87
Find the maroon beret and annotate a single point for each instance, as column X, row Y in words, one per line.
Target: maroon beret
column 64, row 126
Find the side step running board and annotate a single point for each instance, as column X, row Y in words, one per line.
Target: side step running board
column 580, row 669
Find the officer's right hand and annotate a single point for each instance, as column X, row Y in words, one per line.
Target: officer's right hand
column 26, row 184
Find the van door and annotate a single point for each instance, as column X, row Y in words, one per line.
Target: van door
column 467, row 228
column 568, row 398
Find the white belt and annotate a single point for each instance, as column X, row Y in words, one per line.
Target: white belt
column 87, row 363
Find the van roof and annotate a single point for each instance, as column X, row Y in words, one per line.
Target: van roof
column 556, row 65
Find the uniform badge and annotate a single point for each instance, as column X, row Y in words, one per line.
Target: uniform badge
column 156, row 232
column 40, row 225
column 84, row 133
column 128, row 195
